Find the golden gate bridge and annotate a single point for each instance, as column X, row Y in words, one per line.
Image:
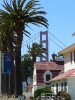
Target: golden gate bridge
column 48, row 40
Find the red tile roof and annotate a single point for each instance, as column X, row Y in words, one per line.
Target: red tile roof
column 70, row 73
column 41, row 84
column 48, row 66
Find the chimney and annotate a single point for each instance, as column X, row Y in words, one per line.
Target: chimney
column 53, row 57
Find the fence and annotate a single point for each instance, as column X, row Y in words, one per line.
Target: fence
column 46, row 96
column 50, row 96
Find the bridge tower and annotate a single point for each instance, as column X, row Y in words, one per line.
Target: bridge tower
column 44, row 42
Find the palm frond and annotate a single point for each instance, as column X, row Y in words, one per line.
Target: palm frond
column 19, row 15
column 28, row 26
column 27, row 32
column 21, row 4
column 18, row 3
column 7, row 6
column 34, row 12
column 14, row 4
column 30, row 5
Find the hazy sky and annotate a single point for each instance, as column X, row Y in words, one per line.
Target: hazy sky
column 61, row 19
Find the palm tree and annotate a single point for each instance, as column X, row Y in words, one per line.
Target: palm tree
column 26, row 68
column 3, row 41
column 15, row 18
column 7, row 46
column 37, row 50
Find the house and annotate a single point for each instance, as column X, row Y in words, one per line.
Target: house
column 66, row 80
column 42, row 73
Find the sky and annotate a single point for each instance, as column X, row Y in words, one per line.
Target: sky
column 61, row 19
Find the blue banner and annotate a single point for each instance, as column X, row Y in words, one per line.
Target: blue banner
column 7, row 63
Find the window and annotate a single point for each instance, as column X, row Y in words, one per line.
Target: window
column 53, row 88
column 65, row 86
column 47, row 77
column 61, row 86
column 71, row 56
column 56, row 87
column 74, row 56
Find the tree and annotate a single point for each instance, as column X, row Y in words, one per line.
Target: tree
column 7, row 46
column 3, row 42
column 26, row 68
column 15, row 18
column 36, row 50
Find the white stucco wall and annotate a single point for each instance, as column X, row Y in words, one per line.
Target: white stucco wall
column 71, row 88
column 34, row 76
column 34, row 81
column 53, row 88
column 33, row 89
column 67, row 61
column 59, row 85
column 39, row 87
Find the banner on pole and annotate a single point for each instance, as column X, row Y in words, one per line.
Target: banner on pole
column 6, row 63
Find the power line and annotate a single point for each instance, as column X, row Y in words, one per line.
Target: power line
column 38, row 36
column 55, row 43
column 30, row 38
column 30, row 41
column 58, row 40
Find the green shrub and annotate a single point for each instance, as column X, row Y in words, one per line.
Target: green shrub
column 42, row 90
column 64, row 95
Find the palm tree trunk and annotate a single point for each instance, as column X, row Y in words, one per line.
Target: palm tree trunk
column 11, row 78
column 4, row 75
column 5, row 83
column 18, row 71
column 2, row 84
column 15, row 82
column 34, row 59
column 19, row 30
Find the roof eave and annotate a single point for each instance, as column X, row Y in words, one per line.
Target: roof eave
column 58, row 79
column 67, row 49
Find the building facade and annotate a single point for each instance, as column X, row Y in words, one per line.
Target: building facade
column 66, row 81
